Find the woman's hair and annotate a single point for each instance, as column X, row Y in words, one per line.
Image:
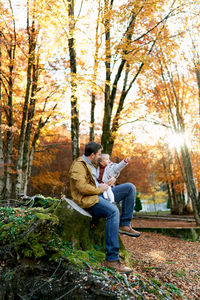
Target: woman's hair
column 92, row 147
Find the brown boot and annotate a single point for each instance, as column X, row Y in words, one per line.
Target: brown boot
column 128, row 230
column 118, row 266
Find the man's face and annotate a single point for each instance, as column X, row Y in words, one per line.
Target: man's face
column 95, row 158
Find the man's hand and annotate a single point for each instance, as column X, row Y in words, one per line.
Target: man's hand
column 111, row 181
column 103, row 187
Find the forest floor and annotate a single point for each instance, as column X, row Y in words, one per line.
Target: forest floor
column 170, row 261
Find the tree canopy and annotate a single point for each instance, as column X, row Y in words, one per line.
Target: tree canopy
column 125, row 74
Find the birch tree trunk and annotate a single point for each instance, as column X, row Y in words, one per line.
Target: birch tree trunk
column 74, row 101
column 27, row 140
column 11, row 49
column 22, row 148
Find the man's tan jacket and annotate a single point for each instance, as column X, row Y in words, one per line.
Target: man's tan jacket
column 82, row 185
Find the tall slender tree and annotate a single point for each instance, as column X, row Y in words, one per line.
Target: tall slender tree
column 9, row 40
column 74, row 100
column 29, row 102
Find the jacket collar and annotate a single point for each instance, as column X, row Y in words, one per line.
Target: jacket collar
column 87, row 160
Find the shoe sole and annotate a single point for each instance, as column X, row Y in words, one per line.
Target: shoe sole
column 130, row 234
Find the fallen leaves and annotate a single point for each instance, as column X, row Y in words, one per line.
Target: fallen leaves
column 173, row 262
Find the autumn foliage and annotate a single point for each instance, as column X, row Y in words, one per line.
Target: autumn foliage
column 117, row 73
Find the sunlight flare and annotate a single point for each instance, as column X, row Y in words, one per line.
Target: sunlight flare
column 177, row 140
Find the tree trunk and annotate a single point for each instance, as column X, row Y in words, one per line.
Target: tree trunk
column 22, row 148
column 169, row 195
column 192, row 191
column 1, row 140
column 109, row 131
column 197, row 71
column 174, row 205
column 9, row 149
column 9, row 137
column 74, row 101
column 105, row 139
column 93, row 97
column 31, row 113
column 93, row 103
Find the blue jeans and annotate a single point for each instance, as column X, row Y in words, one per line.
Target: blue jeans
column 126, row 193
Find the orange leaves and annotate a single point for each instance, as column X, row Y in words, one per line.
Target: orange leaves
column 47, row 180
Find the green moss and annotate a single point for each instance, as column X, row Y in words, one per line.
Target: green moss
column 43, row 216
column 38, row 250
column 57, row 256
column 53, row 234
column 27, row 253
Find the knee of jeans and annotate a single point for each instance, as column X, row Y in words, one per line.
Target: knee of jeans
column 132, row 187
column 116, row 211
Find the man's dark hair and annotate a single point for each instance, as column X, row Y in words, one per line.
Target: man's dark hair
column 92, row 147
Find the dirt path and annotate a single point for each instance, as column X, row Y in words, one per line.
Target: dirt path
column 168, row 260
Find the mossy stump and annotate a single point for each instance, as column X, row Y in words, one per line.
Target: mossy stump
column 75, row 228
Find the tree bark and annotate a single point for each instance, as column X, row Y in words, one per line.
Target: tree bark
column 93, row 97
column 192, row 191
column 31, row 113
column 31, row 78
column 1, row 140
column 93, row 103
column 74, row 101
column 11, row 48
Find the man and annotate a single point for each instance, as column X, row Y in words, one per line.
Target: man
column 88, row 194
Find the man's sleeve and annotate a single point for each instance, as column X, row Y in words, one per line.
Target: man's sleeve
column 79, row 177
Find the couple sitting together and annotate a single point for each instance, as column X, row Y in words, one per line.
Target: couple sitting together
column 92, row 179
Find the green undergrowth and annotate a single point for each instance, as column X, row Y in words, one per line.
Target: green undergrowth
column 34, row 232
